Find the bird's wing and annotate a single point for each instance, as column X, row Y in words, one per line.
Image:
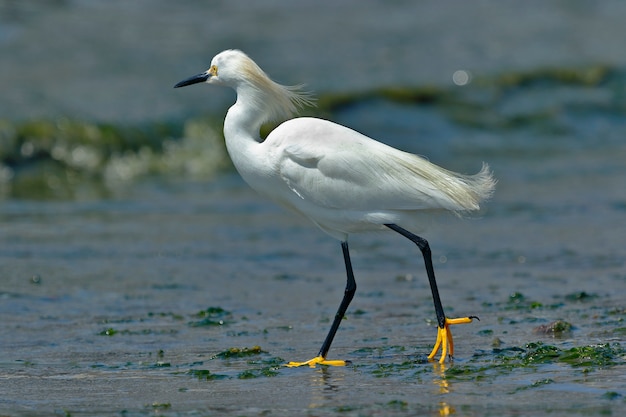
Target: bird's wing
column 332, row 166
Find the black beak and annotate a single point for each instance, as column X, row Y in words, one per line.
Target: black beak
column 200, row 78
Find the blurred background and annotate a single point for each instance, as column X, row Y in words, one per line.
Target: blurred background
column 117, row 197
column 87, row 86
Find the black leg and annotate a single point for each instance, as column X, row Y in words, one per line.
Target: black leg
column 347, row 298
column 422, row 244
column 444, row 336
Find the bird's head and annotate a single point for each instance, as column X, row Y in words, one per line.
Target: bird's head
column 229, row 68
column 235, row 69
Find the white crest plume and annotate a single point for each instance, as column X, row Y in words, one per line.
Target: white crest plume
column 340, row 179
column 276, row 101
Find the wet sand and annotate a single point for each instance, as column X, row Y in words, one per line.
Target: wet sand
column 183, row 295
column 100, row 304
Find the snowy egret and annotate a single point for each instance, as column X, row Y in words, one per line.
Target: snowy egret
column 341, row 180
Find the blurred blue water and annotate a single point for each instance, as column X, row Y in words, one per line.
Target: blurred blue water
column 112, row 251
column 117, row 60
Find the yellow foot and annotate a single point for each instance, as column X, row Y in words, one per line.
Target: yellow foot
column 318, row 360
column 444, row 338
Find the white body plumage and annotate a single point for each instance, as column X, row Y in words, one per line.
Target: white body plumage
column 340, row 179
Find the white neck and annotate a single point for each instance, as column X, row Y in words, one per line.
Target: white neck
column 245, row 117
column 241, row 132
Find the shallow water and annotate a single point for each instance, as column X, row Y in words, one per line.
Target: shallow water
column 100, row 304
column 138, row 278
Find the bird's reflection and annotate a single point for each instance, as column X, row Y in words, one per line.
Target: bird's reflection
column 325, row 386
column 439, row 377
column 328, row 386
column 443, row 387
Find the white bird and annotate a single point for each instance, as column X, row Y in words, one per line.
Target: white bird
column 341, row 180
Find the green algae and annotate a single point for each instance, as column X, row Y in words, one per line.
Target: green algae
column 536, row 384
column 611, row 395
column 536, row 355
column 518, row 302
column 591, row 76
column 76, row 145
column 159, row 406
column 108, row 332
column 262, row 372
column 57, row 158
column 139, row 321
column 489, row 366
column 601, row 355
column 333, row 102
column 384, row 370
column 236, row 352
column 556, row 328
column 212, row 316
column 150, row 318
column 581, row 296
column 205, row 374
column 476, row 104
column 171, row 315
column 52, row 158
column 128, row 332
column 256, row 363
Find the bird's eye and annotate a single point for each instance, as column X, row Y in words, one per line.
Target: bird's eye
column 213, row 70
